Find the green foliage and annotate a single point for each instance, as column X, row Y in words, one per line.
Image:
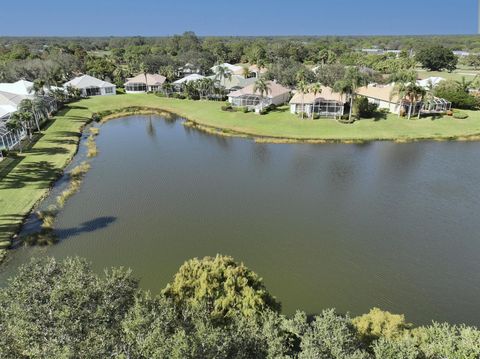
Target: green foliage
column 456, row 94
column 402, row 348
column 363, row 108
column 62, row 310
column 378, row 323
column 459, row 115
column 54, row 309
column 437, row 58
column 223, row 286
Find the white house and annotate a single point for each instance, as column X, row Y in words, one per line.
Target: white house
column 189, row 78
column 430, row 82
column 234, row 69
column 326, row 103
column 91, row 86
column 276, row 95
column 144, row 83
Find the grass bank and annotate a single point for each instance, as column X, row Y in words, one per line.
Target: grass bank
column 28, row 178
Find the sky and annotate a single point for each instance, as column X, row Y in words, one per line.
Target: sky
column 237, row 18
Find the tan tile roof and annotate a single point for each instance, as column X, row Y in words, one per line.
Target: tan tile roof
column 153, row 79
column 326, row 94
column 254, row 68
column 378, row 92
column 275, row 90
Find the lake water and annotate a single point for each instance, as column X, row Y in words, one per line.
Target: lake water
column 347, row 226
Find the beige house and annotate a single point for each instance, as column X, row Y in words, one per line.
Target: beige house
column 381, row 95
column 326, row 103
column 247, row 97
column 144, row 83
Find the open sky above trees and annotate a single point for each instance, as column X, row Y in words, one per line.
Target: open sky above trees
column 248, row 18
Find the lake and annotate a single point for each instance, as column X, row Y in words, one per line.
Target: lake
column 333, row 225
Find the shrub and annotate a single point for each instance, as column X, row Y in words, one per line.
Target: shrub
column 263, row 111
column 453, row 92
column 316, row 116
column 460, row 115
column 227, row 108
column 96, row 117
column 245, row 110
column 363, row 108
column 344, row 119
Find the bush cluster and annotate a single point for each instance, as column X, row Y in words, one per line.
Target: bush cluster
column 213, row 308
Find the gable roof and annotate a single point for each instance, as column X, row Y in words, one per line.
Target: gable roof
column 236, row 81
column 327, row 94
column 378, row 92
column 86, row 81
column 152, row 79
column 21, row 87
column 430, row 81
column 275, row 90
column 237, row 70
column 12, row 99
column 189, row 78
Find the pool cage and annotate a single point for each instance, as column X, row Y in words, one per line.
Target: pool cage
column 251, row 102
column 136, row 87
column 328, row 108
column 436, row 105
column 9, row 139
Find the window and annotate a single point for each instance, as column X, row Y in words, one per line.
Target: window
column 136, row 87
column 108, row 89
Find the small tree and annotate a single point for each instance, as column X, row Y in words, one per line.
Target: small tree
column 224, row 287
column 262, row 87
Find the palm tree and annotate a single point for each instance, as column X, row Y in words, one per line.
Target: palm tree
column 315, row 88
column 466, row 84
column 352, row 80
column 144, row 71
column 262, row 87
column 410, row 91
column 246, row 72
column 167, row 88
column 38, row 87
column 222, row 73
column 302, row 88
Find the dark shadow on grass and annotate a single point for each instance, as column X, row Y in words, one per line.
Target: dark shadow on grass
column 40, row 173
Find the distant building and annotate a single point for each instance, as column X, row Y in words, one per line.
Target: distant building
column 91, row 86
column 144, row 83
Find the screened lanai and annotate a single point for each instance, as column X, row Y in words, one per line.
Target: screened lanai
column 436, row 105
column 8, row 138
column 328, row 108
column 250, row 101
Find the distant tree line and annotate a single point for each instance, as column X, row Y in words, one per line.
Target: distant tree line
column 55, row 60
column 213, row 308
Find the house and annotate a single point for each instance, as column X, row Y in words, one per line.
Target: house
column 187, row 79
column 21, row 87
column 144, row 83
column 326, row 103
column 234, row 82
column 430, row 82
column 187, row 69
column 247, row 97
column 234, row 69
column 91, row 86
column 381, row 95
column 256, row 71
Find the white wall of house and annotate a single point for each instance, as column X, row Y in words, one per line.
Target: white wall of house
column 104, row 91
column 385, row 105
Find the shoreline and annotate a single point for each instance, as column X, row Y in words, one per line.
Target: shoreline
column 79, row 123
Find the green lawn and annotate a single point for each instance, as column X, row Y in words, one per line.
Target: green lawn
column 456, row 75
column 29, row 178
